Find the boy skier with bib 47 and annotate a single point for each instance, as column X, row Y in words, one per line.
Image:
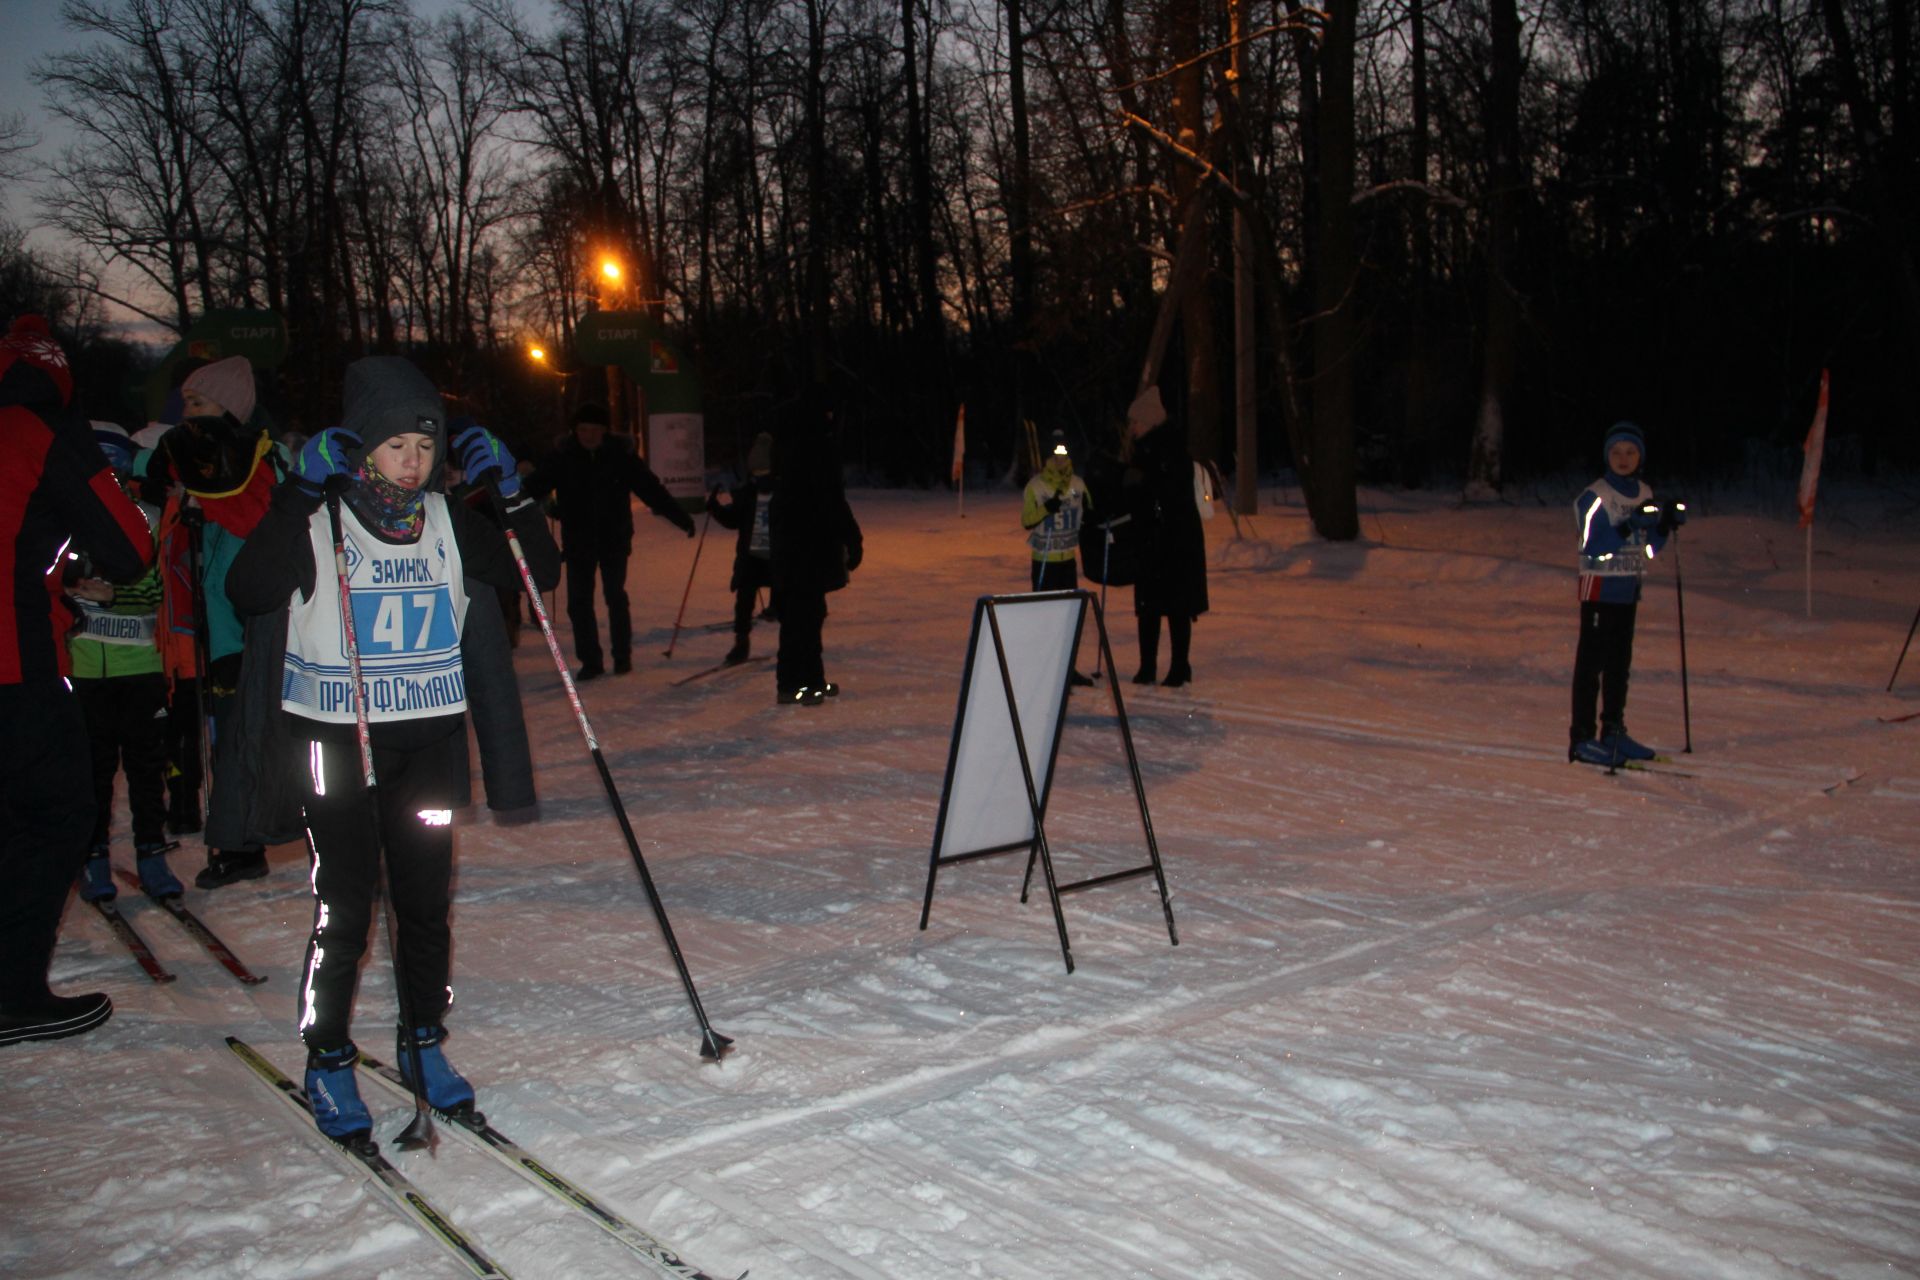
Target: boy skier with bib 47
column 1621, row 530
column 409, row 556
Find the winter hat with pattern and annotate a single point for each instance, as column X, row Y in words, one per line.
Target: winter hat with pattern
column 387, row 396
column 1629, row 432
column 1146, row 409
column 228, row 383
column 28, row 353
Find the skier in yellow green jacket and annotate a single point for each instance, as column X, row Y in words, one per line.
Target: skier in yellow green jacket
column 1055, row 502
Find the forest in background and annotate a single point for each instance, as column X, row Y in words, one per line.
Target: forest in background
column 1422, row 241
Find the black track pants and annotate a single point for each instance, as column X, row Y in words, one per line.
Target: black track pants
column 1600, row 666
column 46, row 811
column 414, row 787
column 126, row 731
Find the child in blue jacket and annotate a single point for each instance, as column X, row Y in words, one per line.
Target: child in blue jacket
column 1621, row 530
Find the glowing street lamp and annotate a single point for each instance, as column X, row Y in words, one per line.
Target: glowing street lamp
column 538, row 354
column 611, row 270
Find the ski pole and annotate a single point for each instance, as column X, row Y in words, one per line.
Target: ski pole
column 679, row 617
column 202, row 657
column 712, row 1043
column 1680, row 600
column 1903, row 651
column 419, row 1131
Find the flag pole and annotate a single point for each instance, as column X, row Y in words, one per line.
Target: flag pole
column 1815, row 445
column 960, row 459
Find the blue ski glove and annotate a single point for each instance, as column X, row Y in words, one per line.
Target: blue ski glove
column 323, row 457
column 482, row 454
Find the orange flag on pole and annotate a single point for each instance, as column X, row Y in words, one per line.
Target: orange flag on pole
column 1815, row 445
column 960, row 444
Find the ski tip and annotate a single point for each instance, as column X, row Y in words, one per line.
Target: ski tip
column 713, row 1045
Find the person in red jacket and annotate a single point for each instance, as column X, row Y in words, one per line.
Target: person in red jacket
column 56, row 490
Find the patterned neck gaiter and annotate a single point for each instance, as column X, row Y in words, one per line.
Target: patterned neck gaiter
column 394, row 512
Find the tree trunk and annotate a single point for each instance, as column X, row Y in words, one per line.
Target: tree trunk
column 1417, row 431
column 1197, row 326
column 1331, row 500
column 1502, row 337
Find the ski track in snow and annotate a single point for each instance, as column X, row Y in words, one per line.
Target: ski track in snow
column 1443, row 1004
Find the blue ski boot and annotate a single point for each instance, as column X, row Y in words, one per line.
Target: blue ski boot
column 446, row 1089
column 96, row 878
column 1595, row 751
column 333, row 1092
column 1615, row 736
column 155, row 876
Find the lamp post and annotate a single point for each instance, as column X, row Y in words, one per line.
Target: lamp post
column 619, row 399
column 538, row 354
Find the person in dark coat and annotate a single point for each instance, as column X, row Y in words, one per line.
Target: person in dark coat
column 595, row 476
column 816, row 546
column 402, row 617
column 55, row 487
column 745, row 511
column 1172, row 564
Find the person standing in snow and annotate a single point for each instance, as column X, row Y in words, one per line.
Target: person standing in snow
column 410, row 556
column 1621, row 530
column 1172, row 560
column 122, row 687
column 816, row 546
column 596, row 476
column 746, row 512
column 55, row 491
column 221, row 467
column 1052, row 510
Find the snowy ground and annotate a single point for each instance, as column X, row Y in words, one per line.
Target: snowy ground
column 1443, row 1004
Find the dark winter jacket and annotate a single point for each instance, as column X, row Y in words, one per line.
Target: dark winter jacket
column 264, row 805
column 739, row 515
column 596, row 512
column 816, row 540
column 1172, row 547
column 54, row 485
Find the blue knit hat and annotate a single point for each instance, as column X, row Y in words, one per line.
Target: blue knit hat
column 1628, row 431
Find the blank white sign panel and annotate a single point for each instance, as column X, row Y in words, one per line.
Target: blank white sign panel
column 987, row 804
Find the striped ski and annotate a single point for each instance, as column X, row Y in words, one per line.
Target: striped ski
column 198, row 931
column 473, row 1127
column 365, row 1159
column 133, row 942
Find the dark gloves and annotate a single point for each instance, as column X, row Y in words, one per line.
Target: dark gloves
column 483, row 455
column 1672, row 517
column 322, row 458
column 1052, row 503
column 1645, row 520
column 155, row 481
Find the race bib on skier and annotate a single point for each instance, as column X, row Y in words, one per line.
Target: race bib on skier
column 408, row 606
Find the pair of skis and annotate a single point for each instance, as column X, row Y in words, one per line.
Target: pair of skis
column 193, row 925
column 366, row 1159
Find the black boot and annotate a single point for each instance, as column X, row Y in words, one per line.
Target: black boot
column 737, row 654
column 225, row 867
column 51, row 1017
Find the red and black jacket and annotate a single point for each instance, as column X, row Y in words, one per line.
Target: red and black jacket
column 55, row 488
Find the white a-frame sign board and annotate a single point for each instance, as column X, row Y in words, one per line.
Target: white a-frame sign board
column 1006, row 736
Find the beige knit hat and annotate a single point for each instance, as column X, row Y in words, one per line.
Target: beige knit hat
column 228, row 383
